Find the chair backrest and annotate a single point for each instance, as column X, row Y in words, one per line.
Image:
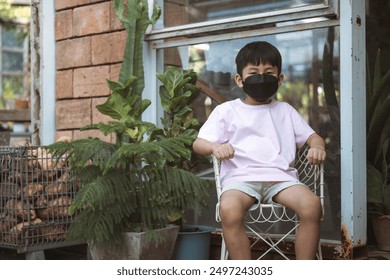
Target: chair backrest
column 218, row 186
column 310, row 175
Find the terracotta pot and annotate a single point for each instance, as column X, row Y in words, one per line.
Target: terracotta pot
column 381, row 227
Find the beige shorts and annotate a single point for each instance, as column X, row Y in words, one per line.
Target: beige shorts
column 262, row 191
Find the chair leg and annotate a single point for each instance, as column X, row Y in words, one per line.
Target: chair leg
column 224, row 252
column 319, row 252
column 273, row 246
column 267, row 239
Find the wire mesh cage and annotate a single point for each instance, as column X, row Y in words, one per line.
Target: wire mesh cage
column 36, row 191
column 4, row 138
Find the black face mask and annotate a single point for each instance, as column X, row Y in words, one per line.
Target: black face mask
column 260, row 86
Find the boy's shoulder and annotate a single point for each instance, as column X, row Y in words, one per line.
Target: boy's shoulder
column 229, row 104
column 239, row 104
column 282, row 104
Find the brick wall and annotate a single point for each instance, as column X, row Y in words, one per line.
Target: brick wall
column 90, row 43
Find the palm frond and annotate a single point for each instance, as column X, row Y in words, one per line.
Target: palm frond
column 155, row 152
column 103, row 204
column 80, row 152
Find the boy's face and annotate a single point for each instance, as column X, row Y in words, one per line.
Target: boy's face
column 252, row 69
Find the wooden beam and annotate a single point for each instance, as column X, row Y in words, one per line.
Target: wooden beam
column 212, row 93
column 15, row 115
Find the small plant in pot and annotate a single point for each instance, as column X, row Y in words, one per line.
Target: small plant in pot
column 134, row 184
column 378, row 154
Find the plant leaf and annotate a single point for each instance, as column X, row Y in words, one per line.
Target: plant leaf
column 115, row 106
column 374, row 191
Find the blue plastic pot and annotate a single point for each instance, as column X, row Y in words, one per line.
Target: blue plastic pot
column 193, row 245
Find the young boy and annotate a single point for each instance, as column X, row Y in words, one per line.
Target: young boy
column 256, row 139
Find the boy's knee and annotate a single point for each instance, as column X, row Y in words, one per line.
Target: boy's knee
column 231, row 212
column 233, row 206
column 311, row 210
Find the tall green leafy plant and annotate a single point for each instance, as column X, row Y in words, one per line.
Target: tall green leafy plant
column 177, row 92
column 378, row 141
column 125, row 101
column 134, row 184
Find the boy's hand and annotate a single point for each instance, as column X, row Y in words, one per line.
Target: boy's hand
column 316, row 155
column 223, row 151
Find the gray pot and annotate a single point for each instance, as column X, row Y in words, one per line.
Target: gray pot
column 138, row 246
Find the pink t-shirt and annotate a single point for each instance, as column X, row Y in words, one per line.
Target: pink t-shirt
column 264, row 137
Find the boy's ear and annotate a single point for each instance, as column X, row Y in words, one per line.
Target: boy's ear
column 238, row 80
column 280, row 79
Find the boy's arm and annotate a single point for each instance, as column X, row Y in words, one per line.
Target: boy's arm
column 204, row 147
column 316, row 153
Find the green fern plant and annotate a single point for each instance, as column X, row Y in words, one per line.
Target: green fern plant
column 138, row 182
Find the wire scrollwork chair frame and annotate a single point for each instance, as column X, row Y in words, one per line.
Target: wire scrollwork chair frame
column 260, row 221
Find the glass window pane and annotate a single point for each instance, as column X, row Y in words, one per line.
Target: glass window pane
column 11, row 38
column 12, row 87
column 185, row 12
column 13, row 84
column 311, row 85
column 12, row 61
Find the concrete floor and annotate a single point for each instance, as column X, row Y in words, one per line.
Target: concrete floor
column 79, row 252
column 376, row 254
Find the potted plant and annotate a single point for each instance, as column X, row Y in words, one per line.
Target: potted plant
column 378, row 154
column 134, row 184
column 177, row 92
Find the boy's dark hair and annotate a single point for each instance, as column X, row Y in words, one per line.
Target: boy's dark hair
column 258, row 52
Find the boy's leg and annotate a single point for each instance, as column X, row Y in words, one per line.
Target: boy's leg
column 308, row 207
column 233, row 205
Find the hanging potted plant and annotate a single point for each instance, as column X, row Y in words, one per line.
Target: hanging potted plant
column 131, row 185
column 378, row 155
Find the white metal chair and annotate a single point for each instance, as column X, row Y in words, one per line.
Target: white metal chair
column 260, row 221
